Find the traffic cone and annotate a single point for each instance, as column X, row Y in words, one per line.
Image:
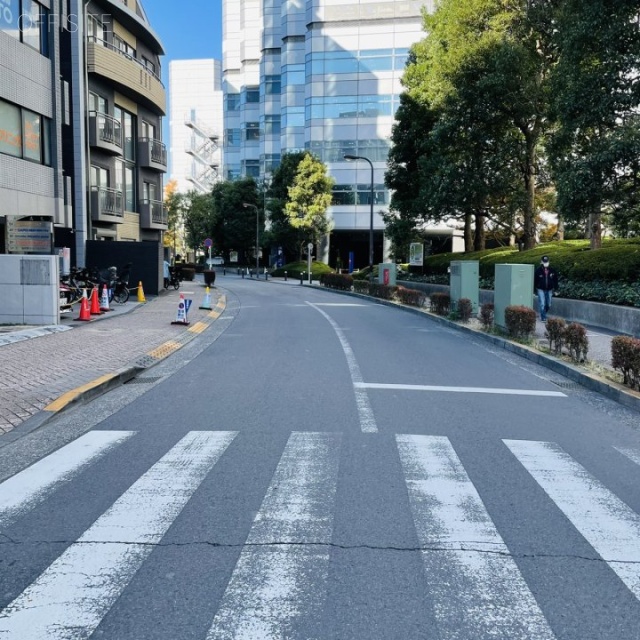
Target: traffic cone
column 181, row 316
column 94, row 303
column 104, row 299
column 141, row 297
column 85, row 314
column 206, row 303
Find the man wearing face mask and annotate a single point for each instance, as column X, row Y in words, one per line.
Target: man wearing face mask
column 545, row 282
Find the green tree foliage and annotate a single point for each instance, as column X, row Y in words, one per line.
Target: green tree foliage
column 309, row 198
column 482, row 71
column 282, row 233
column 197, row 212
column 232, row 227
column 595, row 147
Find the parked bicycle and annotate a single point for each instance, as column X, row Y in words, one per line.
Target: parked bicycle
column 174, row 278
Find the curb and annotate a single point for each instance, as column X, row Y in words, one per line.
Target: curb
column 109, row 381
column 623, row 395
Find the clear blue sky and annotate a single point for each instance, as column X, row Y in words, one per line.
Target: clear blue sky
column 187, row 29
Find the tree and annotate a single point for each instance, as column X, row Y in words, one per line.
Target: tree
column 309, row 198
column 174, row 203
column 282, row 233
column 198, row 209
column 595, row 147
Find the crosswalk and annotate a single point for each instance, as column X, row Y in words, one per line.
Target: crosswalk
column 282, row 576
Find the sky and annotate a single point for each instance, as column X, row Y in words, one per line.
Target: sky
column 190, row 33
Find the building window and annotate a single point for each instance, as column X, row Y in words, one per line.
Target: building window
column 149, row 65
column 231, row 138
column 124, row 47
column 251, row 168
column 272, row 85
column 99, row 177
column 250, row 95
column 251, row 131
column 24, row 134
column 232, row 102
column 98, row 104
column 148, row 191
column 96, row 31
column 272, row 125
column 27, row 21
column 128, row 122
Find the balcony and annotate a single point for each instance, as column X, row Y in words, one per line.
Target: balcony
column 152, row 154
column 105, row 133
column 128, row 75
column 153, row 215
column 106, row 205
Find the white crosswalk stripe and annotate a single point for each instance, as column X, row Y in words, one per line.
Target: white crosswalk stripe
column 477, row 588
column 32, row 486
column 281, row 575
column 607, row 523
column 71, row 597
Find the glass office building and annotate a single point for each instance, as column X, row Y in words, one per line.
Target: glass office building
column 323, row 76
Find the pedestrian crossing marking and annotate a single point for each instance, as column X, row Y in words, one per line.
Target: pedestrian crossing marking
column 34, row 484
column 610, row 526
column 475, row 585
column 281, row 575
column 72, row 595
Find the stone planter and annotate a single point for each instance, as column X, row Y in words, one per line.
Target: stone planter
column 209, row 277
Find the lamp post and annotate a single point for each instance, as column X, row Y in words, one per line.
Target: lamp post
column 349, row 158
column 248, row 205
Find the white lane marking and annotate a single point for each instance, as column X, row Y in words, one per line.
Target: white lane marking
column 365, row 413
column 425, row 387
column 31, row 486
column 281, row 580
column 475, row 585
column 632, row 454
column 72, row 595
column 607, row 523
column 340, row 304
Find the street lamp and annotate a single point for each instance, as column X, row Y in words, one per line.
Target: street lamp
column 248, row 205
column 349, row 157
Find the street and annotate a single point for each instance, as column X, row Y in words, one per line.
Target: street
column 318, row 466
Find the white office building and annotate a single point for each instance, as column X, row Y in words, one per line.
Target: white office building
column 322, row 75
column 195, row 123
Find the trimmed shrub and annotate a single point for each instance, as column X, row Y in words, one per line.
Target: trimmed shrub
column 383, row 291
column 486, row 315
column 520, row 321
column 342, row 282
column 361, row 286
column 411, row 297
column 625, row 356
column 440, row 303
column 555, row 333
column 464, row 309
column 576, row 341
column 187, row 273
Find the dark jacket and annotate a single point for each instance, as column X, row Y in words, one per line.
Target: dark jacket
column 546, row 281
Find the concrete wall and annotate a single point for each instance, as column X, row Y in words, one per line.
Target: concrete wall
column 29, row 292
column 607, row 316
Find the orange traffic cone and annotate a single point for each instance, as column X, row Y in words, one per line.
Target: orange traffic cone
column 94, row 303
column 181, row 316
column 104, row 300
column 85, row 314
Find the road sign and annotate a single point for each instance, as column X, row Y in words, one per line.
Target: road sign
column 208, row 242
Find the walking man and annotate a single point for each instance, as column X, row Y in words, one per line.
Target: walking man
column 545, row 282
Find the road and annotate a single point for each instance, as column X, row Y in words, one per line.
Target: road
column 318, row 466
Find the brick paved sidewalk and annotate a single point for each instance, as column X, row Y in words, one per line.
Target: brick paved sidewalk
column 37, row 371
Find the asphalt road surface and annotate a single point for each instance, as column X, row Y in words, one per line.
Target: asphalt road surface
column 318, row 466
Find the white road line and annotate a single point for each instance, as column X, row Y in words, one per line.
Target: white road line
column 72, row 595
column 607, row 523
column 425, row 387
column 30, row 487
column 339, row 304
column 281, row 580
column 475, row 585
column 632, row 454
column 365, row 412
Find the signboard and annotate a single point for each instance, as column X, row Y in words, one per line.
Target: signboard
column 233, row 256
column 208, row 243
column 416, row 254
column 28, row 236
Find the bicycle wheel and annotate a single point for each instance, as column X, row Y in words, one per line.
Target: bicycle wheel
column 121, row 296
column 176, row 284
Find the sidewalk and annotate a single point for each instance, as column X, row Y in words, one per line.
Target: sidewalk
column 46, row 368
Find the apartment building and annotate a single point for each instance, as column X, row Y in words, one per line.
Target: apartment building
column 324, row 76
column 33, row 188
column 195, row 123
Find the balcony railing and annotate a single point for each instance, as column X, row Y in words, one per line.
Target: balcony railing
column 128, row 56
column 105, row 132
column 106, row 204
column 152, row 154
column 153, row 214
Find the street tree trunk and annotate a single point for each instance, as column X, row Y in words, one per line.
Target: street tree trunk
column 480, row 236
column 468, row 233
column 595, row 230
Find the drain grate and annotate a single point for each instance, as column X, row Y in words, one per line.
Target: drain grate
column 566, row 384
column 143, row 380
